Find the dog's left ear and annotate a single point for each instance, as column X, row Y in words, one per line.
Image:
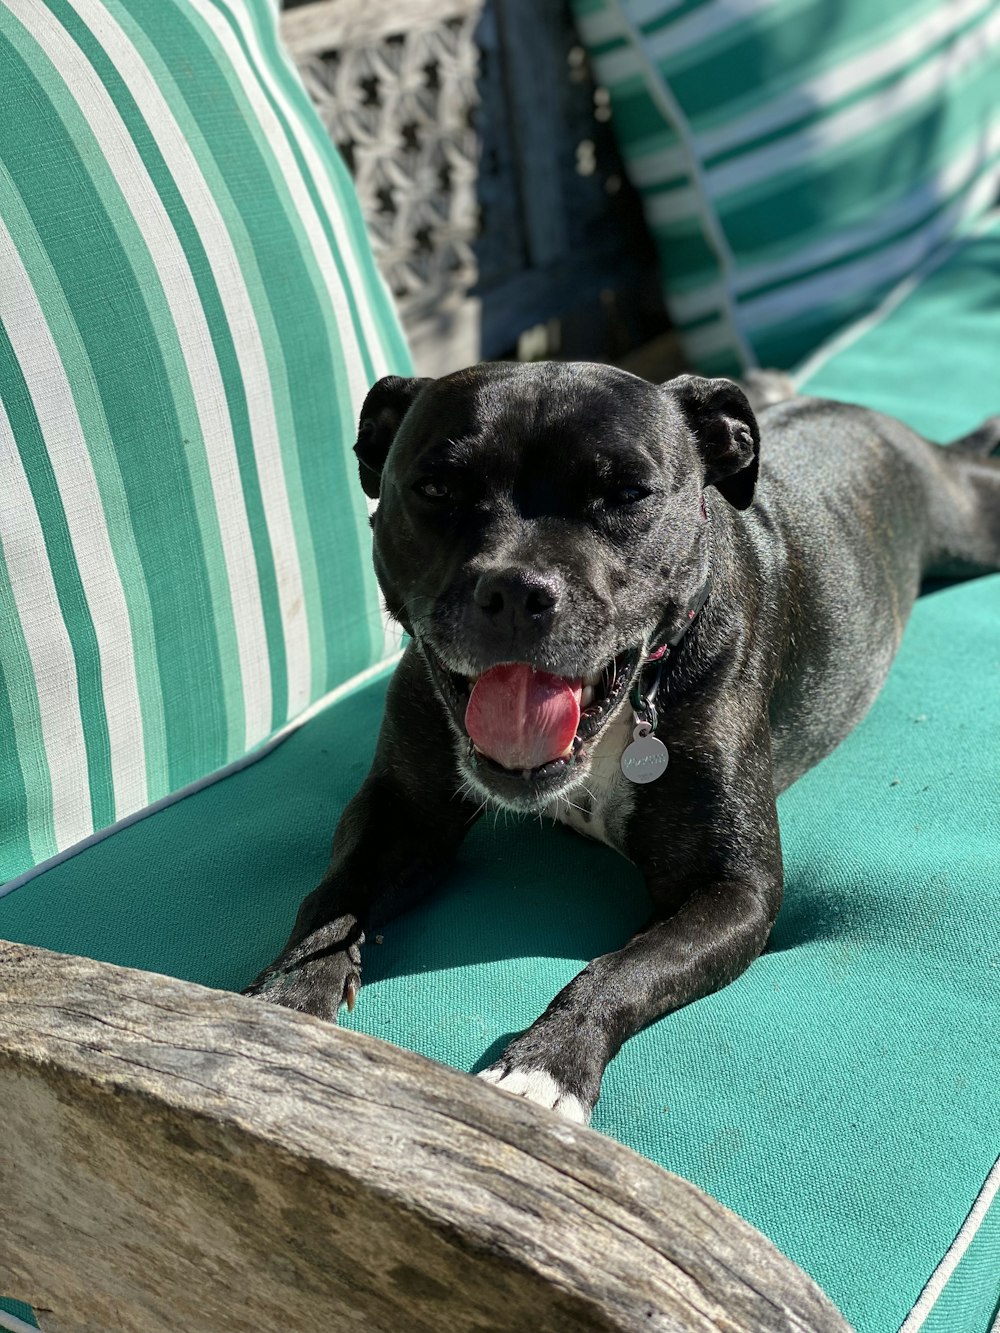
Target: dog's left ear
column 382, row 413
column 723, row 423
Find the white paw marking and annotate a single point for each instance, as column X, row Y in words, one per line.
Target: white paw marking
column 535, row 1085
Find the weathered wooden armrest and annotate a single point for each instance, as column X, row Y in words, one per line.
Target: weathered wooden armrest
column 173, row 1157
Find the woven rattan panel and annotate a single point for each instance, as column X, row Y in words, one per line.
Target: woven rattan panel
column 487, row 172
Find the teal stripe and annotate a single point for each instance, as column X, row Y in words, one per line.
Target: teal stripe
column 686, row 256
column 676, row 11
column 727, row 363
column 635, row 116
column 222, row 342
column 27, row 827
column 66, row 576
column 675, row 49
column 351, row 621
column 104, row 269
column 257, row 225
column 90, row 410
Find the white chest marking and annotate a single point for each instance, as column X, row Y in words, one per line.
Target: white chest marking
column 600, row 806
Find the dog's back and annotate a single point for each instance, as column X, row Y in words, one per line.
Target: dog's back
column 853, row 510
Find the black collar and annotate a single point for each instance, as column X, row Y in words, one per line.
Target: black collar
column 642, row 696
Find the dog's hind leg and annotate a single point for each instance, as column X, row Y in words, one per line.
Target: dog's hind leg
column 965, row 506
column 982, row 441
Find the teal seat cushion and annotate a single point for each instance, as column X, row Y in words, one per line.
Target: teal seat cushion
column 190, row 317
column 841, row 1095
column 797, row 158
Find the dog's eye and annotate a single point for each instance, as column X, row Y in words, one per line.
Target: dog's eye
column 432, row 490
column 629, row 495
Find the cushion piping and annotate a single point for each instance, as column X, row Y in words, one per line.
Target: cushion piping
column 939, row 1279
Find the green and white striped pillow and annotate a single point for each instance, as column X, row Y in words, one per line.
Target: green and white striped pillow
column 189, row 319
column 797, row 158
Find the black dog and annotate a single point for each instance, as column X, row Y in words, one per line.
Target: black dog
column 596, row 581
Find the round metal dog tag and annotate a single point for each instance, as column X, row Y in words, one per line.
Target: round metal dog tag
column 646, row 758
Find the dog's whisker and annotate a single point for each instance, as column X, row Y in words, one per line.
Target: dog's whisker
column 574, row 806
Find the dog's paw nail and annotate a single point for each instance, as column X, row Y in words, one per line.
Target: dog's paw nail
column 351, row 987
column 535, row 1085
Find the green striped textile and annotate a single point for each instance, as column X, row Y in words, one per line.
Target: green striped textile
column 189, row 319
column 797, row 158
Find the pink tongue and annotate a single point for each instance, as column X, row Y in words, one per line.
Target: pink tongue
column 523, row 718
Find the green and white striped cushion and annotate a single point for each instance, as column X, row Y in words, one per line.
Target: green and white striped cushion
column 797, row 157
column 189, row 319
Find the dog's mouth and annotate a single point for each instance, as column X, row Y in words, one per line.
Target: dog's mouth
column 530, row 732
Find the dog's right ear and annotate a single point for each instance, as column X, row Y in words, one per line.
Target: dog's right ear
column 726, row 432
column 385, row 407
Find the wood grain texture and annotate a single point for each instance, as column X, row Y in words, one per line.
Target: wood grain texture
column 181, row 1158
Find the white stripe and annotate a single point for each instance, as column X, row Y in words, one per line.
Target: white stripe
column 672, row 206
column 686, row 307
column 614, row 67
column 55, row 409
column 847, row 337
column 645, row 11
column 939, row 1278
column 195, row 340
column 49, row 649
column 853, row 123
column 363, row 678
column 247, row 342
column 707, row 21
column 708, row 340
column 903, row 47
column 597, row 27
column 671, row 111
column 896, row 217
column 15, row 1325
column 872, row 271
column 648, row 166
column 334, row 210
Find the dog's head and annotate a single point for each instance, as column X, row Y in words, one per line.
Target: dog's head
column 550, row 516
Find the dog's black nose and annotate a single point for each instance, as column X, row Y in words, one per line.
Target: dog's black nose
column 518, row 599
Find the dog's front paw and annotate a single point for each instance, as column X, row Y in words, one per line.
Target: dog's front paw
column 317, row 975
column 537, row 1085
